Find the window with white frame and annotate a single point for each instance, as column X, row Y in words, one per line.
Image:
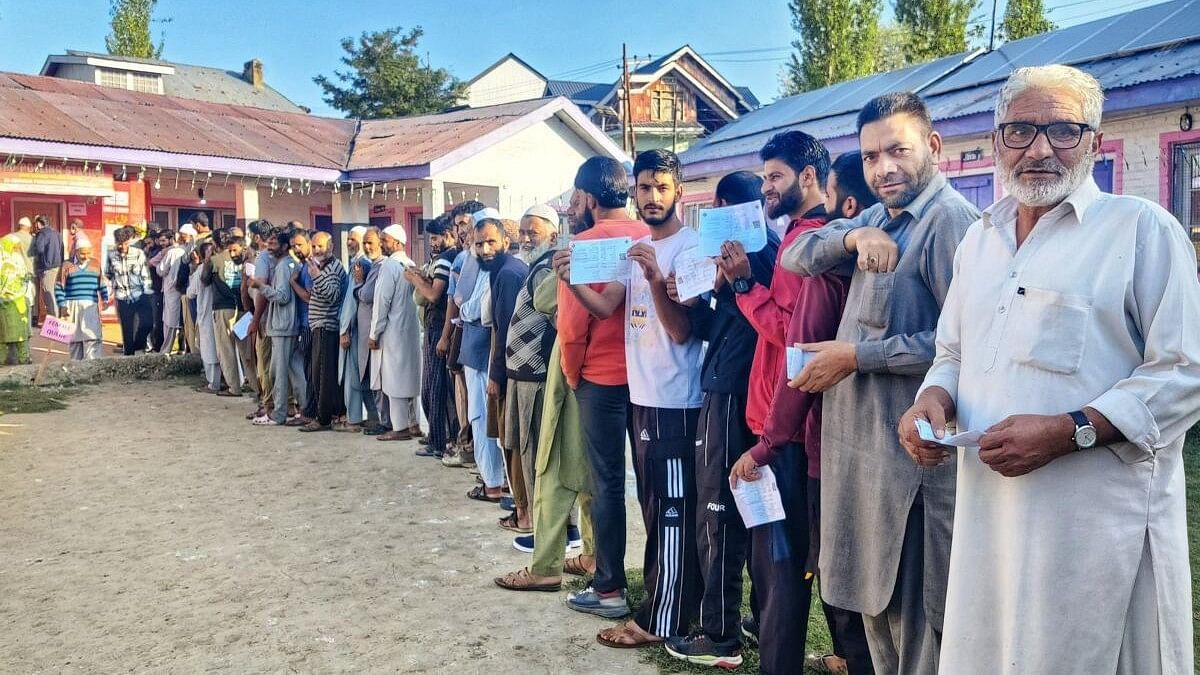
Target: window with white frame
column 107, row 77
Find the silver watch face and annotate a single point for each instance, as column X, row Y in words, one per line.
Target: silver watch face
column 1085, row 437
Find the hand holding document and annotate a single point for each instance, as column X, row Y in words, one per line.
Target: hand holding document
column 759, row 501
column 248, row 268
column 596, row 261
column 740, row 222
column 695, row 274
column 796, row 360
column 967, row 439
column 242, row 328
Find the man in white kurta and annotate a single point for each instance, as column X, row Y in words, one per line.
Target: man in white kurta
column 395, row 336
column 1069, row 556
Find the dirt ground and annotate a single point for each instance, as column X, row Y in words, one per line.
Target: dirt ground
column 149, row 528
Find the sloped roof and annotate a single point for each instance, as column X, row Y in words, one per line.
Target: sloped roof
column 578, row 91
column 206, row 84
column 67, row 111
column 1154, row 43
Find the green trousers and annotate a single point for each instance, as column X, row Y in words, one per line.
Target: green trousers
column 552, row 505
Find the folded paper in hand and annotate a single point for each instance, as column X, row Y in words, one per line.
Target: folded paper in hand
column 967, row 439
column 759, row 501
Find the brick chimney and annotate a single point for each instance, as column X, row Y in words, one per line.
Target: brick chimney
column 252, row 72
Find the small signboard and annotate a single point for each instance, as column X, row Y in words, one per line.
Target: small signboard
column 58, row 330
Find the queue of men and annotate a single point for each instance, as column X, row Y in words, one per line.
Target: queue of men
column 1053, row 327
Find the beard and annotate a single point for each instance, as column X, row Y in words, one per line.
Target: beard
column 532, row 255
column 668, row 210
column 914, row 185
column 1046, row 191
column 586, row 222
column 789, row 202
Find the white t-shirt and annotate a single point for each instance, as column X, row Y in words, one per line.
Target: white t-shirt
column 662, row 374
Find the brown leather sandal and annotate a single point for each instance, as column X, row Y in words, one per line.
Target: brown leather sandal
column 627, row 636
column 522, row 580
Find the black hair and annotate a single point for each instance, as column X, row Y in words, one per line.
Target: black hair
column 40, row 220
column 468, row 207
column 658, row 160
column 851, row 181
column 199, row 218
column 123, row 234
column 739, row 187
column 167, row 233
column 262, row 228
column 798, row 150
column 221, row 238
column 204, row 248
column 883, row 107
column 484, row 222
column 439, row 226
column 283, row 237
column 605, row 179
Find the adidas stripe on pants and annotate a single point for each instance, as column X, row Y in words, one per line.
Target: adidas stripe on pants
column 664, row 459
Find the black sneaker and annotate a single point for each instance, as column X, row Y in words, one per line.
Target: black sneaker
column 750, row 629
column 701, row 650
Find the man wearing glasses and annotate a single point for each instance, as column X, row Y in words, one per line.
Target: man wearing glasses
column 1067, row 339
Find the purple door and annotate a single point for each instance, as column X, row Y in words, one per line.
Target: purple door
column 977, row 189
column 1103, row 173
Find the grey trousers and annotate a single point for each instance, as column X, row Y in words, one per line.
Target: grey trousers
column 287, row 367
column 87, row 350
column 901, row 639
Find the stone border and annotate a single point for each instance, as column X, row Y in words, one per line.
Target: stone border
column 119, row 368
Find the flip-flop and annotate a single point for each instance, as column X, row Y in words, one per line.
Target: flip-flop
column 480, row 494
column 623, row 637
column 521, row 581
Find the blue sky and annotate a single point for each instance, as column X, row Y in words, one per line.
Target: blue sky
column 747, row 40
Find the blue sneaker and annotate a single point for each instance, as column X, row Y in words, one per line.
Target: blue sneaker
column 524, row 543
column 508, row 504
column 589, row 601
column 701, row 650
column 574, row 538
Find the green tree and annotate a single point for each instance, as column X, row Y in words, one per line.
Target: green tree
column 1023, row 18
column 387, row 79
column 130, row 36
column 836, row 40
column 934, row 28
column 891, row 55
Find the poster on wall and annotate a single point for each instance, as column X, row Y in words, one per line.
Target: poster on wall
column 76, row 209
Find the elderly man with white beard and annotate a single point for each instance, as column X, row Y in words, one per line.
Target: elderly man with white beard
column 1065, row 339
column 395, row 336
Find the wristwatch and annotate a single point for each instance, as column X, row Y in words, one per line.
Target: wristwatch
column 1085, row 433
column 742, row 285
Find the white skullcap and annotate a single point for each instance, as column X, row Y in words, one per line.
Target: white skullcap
column 188, row 230
column 489, row 212
column 544, row 212
column 359, row 230
column 396, row 232
column 24, row 222
column 82, row 241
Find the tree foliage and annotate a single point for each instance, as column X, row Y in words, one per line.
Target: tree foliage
column 1023, row 18
column 934, row 28
column 892, row 44
column 130, row 36
column 385, row 78
column 837, row 40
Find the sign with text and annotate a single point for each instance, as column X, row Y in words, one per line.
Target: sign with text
column 58, row 330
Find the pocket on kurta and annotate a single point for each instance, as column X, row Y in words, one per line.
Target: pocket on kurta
column 1051, row 329
column 876, row 298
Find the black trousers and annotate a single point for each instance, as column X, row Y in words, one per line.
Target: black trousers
column 136, row 323
column 604, row 416
column 845, row 626
column 779, row 567
column 664, row 456
column 156, row 329
column 324, row 375
column 721, row 535
column 306, row 353
column 435, row 393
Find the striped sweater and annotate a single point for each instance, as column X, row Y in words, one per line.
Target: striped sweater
column 80, row 284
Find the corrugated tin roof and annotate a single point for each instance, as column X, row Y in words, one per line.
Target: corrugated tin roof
column 956, row 86
column 749, row 97
column 579, row 92
column 52, row 109
column 414, row 141
column 209, row 84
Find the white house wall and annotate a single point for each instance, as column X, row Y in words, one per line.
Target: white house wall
column 510, row 81
column 536, row 165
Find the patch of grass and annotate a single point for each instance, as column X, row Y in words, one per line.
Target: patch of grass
column 818, row 641
column 22, row 398
column 1191, row 469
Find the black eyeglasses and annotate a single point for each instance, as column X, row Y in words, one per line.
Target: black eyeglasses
column 1061, row 135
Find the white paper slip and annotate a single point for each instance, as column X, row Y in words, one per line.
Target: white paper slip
column 694, row 274
column 248, row 268
column 759, row 501
column 740, row 222
column 242, row 327
column 796, row 360
column 967, row 439
column 595, row 261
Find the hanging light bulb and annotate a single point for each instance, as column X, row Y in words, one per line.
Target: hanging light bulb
column 289, row 186
column 158, row 179
column 200, row 193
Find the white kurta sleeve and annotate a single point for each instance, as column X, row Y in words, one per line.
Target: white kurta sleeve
column 1155, row 405
column 947, row 361
column 385, row 291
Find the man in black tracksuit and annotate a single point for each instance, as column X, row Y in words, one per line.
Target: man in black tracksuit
column 722, row 435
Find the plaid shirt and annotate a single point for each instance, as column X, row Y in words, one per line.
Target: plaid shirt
column 129, row 274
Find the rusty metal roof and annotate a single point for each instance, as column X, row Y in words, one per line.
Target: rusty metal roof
column 414, row 141
column 66, row 111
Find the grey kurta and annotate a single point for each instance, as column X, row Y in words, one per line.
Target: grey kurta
column 394, row 326
column 365, row 294
column 868, row 481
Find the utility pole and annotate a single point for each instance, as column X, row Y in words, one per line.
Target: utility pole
column 992, row 35
column 627, row 112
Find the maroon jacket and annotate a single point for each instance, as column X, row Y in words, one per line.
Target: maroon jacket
column 794, row 413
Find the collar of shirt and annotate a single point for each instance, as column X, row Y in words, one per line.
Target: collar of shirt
column 1004, row 212
column 817, row 211
column 916, row 208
